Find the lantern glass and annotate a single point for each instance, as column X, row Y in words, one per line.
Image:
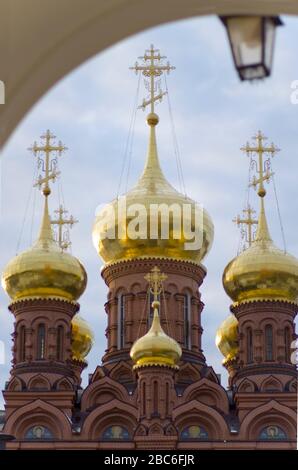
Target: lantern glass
column 252, row 42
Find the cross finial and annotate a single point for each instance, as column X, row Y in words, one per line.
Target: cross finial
column 246, row 223
column 155, row 279
column 46, row 162
column 152, row 67
column 262, row 167
column 61, row 221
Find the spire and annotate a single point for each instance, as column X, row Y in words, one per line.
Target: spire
column 45, row 238
column 262, row 234
column 48, row 165
column 263, row 169
column 152, row 67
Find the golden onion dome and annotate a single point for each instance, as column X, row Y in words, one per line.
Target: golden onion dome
column 140, row 234
column 155, row 348
column 81, row 338
column 44, row 270
column 262, row 271
column 227, row 338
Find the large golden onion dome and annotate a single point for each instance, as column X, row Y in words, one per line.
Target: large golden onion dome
column 113, row 235
column 44, row 270
column 81, row 338
column 262, row 271
column 227, row 338
column 155, row 348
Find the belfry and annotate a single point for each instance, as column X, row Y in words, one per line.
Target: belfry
column 153, row 388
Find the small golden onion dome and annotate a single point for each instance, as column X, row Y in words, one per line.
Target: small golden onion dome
column 227, row 338
column 155, row 348
column 44, row 270
column 136, row 232
column 262, row 271
column 81, row 338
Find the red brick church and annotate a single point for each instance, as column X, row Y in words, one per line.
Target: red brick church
column 154, row 388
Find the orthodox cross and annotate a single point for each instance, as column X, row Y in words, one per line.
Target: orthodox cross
column 262, row 167
column 63, row 237
column 46, row 162
column 152, row 67
column 155, row 279
column 248, row 221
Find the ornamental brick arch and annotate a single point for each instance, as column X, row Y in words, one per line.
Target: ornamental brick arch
column 63, row 384
column 271, row 384
column 197, row 413
column 103, row 391
column 271, row 413
column 113, row 413
column 207, row 392
column 122, row 372
column 36, row 413
column 247, row 386
column 39, row 382
column 16, row 385
column 187, row 374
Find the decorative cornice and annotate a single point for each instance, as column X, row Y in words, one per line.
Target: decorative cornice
column 265, row 300
column 140, row 265
column 270, row 305
column 155, row 364
column 44, row 299
column 37, row 303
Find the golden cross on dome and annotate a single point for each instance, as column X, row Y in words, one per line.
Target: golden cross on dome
column 63, row 237
column 155, row 279
column 49, row 164
column 152, row 67
column 248, row 221
column 262, row 167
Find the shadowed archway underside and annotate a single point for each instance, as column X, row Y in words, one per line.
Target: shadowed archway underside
column 41, row 42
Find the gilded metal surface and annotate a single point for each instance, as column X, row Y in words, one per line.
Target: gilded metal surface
column 227, row 338
column 155, row 348
column 262, row 271
column 82, row 338
column 44, row 270
column 152, row 188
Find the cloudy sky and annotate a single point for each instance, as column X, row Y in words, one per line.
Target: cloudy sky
column 214, row 115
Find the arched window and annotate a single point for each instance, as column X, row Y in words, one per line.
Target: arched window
column 268, row 343
column 194, row 433
column 287, row 344
column 39, row 433
column 143, row 398
column 22, row 343
column 168, row 399
column 121, row 321
column 249, row 340
column 41, row 339
column 155, row 397
column 187, row 321
column 116, row 433
column 272, row 433
column 60, row 335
